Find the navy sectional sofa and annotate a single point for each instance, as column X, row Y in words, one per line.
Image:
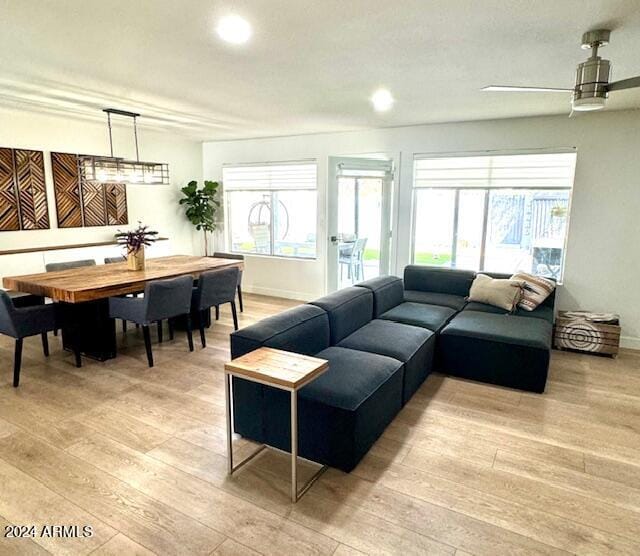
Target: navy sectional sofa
column 382, row 339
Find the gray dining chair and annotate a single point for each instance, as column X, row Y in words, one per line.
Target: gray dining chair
column 22, row 322
column 234, row 256
column 114, row 260
column 215, row 288
column 55, row 267
column 163, row 300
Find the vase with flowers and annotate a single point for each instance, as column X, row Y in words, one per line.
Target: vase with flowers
column 134, row 242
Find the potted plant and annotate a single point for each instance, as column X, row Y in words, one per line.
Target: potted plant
column 201, row 206
column 134, row 242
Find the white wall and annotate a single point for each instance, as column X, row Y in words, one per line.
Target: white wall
column 152, row 204
column 602, row 262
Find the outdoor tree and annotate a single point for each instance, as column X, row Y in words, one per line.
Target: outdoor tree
column 201, row 205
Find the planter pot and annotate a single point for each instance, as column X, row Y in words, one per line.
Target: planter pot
column 135, row 260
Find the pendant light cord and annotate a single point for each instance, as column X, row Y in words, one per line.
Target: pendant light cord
column 110, row 136
column 135, row 135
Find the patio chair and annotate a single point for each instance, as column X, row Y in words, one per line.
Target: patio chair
column 352, row 256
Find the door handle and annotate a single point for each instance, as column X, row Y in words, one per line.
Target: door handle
column 334, row 239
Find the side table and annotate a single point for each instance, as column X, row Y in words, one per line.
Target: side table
column 279, row 369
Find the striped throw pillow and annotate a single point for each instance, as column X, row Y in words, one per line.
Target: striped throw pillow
column 536, row 290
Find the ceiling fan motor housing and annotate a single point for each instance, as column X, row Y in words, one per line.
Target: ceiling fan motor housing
column 592, row 79
column 592, row 76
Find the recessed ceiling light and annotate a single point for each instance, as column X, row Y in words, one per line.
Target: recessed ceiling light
column 382, row 100
column 234, row 29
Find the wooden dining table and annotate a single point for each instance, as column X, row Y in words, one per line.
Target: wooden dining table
column 83, row 295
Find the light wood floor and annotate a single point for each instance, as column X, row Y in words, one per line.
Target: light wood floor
column 466, row 468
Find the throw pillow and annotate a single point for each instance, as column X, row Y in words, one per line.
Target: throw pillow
column 536, row 290
column 503, row 293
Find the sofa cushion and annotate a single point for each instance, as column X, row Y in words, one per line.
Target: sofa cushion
column 412, row 345
column 340, row 414
column 353, row 376
column 548, row 302
column 501, row 292
column 303, row 329
column 438, row 280
column 507, row 329
column 542, row 312
column 388, row 291
column 432, row 317
column 500, row 349
column 536, row 290
column 348, row 310
column 456, row 302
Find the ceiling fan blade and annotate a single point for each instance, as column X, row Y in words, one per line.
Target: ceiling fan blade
column 515, row 89
column 630, row 83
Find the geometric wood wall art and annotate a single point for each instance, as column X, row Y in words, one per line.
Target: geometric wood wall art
column 116, row 199
column 93, row 204
column 32, row 192
column 84, row 203
column 9, row 216
column 23, row 194
column 66, row 180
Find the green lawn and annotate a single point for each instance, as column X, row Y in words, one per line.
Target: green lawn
column 372, row 254
column 435, row 259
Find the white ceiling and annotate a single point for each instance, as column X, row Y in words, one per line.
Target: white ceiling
column 311, row 65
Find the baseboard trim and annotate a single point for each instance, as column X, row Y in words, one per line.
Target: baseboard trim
column 285, row 294
column 630, row 342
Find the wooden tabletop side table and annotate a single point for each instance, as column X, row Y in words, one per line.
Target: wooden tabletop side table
column 279, row 369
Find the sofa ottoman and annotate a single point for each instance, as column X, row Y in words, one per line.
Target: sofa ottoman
column 500, row 349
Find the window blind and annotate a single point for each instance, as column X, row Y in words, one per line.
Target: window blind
column 270, row 177
column 373, row 169
column 499, row 171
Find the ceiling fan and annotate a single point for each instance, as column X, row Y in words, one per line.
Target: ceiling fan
column 592, row 77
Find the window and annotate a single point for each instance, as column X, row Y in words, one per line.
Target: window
column 271, row 208
column 494, row 213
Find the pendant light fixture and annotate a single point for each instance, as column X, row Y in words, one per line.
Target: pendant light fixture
column 112, row 169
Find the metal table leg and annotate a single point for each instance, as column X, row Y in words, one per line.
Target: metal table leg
column 231, row 468
column 294, row 446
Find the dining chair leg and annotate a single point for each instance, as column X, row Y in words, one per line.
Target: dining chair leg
column 217, row 312
column 17, row 362
column 147, row 344
column 202, row 316
column 78, row 356
column 55, row 332
column 240, row 298
column 170, row 325
column 160, row 332
column 124, row 326
column 235, row 315
column 189, row 332
column 45, row 344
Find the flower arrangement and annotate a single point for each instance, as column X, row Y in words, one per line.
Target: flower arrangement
column 133, row 242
